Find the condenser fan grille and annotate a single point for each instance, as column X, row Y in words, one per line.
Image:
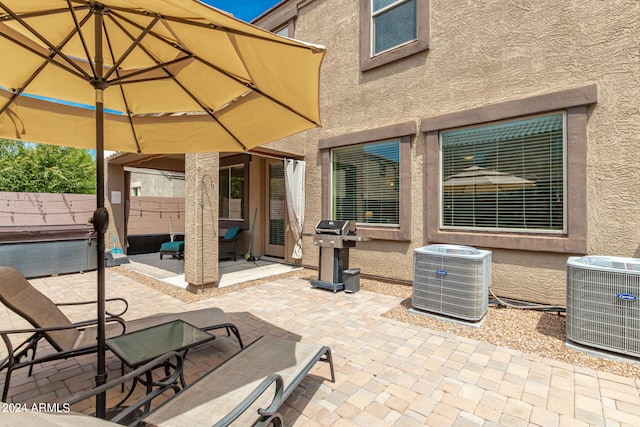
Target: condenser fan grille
column 603, row 309
column 453, row 283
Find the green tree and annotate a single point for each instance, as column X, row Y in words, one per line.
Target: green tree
column 39, row 168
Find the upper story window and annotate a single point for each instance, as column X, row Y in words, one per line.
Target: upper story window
column 391, row 30
column 284, row 31
column 394, row 23
column 281, row 20
column 506, row 176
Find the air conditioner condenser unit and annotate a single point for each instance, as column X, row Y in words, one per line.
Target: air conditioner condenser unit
column 452, row 280
column 603, row 303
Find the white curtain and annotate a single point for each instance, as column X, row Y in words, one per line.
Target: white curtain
column 294, row 171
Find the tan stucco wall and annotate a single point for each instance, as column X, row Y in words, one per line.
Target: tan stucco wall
column 480, row 53
column 148, row 215
column 201, row 223
column 115, row 182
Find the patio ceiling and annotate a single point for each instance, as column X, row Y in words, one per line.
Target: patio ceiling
column 175, row 162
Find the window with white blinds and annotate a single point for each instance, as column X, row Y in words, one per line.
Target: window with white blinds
column 232, row 195
column 394, row 24
column 506, row 176
column 366, row 183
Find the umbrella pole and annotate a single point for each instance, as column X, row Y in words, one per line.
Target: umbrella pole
column 99, row 85
column 101, row 375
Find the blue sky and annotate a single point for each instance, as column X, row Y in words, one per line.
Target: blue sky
column 243, row 9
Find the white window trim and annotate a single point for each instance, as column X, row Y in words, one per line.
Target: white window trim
column 421, row 44
column 373, row 32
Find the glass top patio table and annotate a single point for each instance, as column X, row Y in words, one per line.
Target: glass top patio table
column 139, row 347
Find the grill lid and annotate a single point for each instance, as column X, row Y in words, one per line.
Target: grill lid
column 333, row 226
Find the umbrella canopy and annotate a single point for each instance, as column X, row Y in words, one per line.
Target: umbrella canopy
column 182, row 76
column 148, row 76
column 476, row 179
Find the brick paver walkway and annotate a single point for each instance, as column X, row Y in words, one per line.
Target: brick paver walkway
column 388, row 372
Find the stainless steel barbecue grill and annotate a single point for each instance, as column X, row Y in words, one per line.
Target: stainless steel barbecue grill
column 334, row 237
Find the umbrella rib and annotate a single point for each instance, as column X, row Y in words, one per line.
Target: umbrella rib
column 248, row 85
column 212, row 26
column 17, row 92
column 133, row 45
column 160, row 65
column 48, row 59
column 42, row 13
column 120, row 80
column 251, row 86
column 82, row 39
column 209, row 112
column 124, row 98
column 174, row 45
column 44, row 40
column 223, row 28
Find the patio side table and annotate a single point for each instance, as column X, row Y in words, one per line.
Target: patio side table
column 139, row 347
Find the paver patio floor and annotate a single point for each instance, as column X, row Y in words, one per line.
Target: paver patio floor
column 387, row 372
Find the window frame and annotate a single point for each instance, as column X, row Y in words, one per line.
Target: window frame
column 404, row 132
column 281, row 16
column 228, row 162
column 508, row 230
column 366, row 179
column 368, row 60
column 576, row 102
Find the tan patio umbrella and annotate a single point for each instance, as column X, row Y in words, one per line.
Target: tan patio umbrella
column 148, row 76
column 476, row 179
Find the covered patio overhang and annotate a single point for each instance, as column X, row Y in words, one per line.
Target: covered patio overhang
column 203, row 222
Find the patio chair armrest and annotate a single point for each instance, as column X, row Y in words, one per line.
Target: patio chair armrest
column 38, row 330
column 60, row 328
column 124, row 301
column 169, row 382
column 253, row 396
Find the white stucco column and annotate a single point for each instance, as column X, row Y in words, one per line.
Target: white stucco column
column 201, row 222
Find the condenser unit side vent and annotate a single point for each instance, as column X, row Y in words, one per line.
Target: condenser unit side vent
column 452, row 280
column 603, row 303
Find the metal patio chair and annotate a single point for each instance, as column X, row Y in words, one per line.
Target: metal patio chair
column 227, row 243
column 70, row 339
column 247, row 389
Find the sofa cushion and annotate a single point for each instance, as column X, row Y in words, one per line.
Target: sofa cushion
column 172, row 246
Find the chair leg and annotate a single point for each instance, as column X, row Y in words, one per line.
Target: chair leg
column 7, row 380
column 33, row 356
column 236, row 332
column 9, row 361
column 229, row 328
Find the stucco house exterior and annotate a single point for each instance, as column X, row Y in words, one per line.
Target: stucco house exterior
column 512, row 127
column 539, row 100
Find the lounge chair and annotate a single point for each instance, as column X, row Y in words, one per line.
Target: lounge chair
column 227, row 243
column 70, row 339
column 175, row 247
column 234, row 392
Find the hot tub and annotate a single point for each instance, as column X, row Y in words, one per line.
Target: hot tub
column 46, row 250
